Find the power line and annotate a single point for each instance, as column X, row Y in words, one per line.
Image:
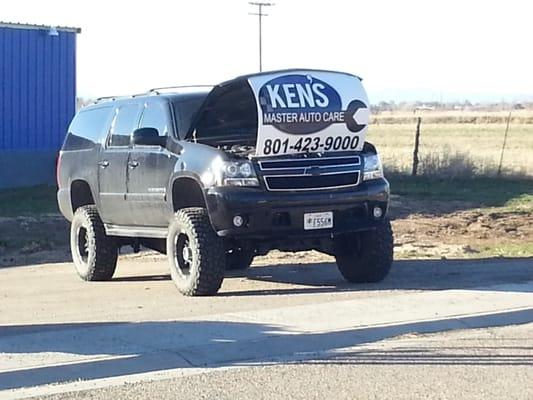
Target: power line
column 260, row 14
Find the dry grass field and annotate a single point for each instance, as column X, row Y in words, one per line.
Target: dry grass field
column 524, row 116
column 455, row 143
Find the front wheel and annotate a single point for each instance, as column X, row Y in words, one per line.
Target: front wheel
column 365, row 257
column 196, row 254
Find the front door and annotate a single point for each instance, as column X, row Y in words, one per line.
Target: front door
column 113, row 165
column 149, row 169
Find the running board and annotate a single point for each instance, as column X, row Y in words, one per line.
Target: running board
column 136, row 231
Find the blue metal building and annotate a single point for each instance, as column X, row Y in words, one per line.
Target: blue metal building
column 37, row 100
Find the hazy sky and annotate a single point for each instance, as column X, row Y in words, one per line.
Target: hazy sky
column 429, row 49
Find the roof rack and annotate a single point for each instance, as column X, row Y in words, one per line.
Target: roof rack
column 112, row 98
column 160, row 89
column 105, row 98
column 155, row 91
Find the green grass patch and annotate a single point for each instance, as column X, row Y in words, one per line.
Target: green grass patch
column 522, row 202
column 507, row 250
column 481, row 191
column 36, row 200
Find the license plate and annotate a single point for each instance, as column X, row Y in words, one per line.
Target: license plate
column 321, row 220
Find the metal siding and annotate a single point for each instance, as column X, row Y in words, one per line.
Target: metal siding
column 2, row 88
column 37, row 89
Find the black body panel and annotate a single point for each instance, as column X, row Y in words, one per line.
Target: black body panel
column 271, row 215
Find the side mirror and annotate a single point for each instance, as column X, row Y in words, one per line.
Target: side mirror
column 148, row 137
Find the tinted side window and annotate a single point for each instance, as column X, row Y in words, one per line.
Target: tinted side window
column 124, row 124
column 87, row 128
column 155, row 116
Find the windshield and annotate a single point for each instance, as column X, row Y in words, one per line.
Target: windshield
column 229, row 116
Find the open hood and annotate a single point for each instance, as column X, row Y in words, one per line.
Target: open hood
column 286, row 112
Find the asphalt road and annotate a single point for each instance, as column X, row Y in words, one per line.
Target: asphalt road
column 435, row 329
column 490, row 363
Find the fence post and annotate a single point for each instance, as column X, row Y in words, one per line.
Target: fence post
column 417, row 142
column 504, row 142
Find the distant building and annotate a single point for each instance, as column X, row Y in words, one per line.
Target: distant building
column 37, row 100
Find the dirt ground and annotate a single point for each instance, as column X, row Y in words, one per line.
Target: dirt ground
column 422, row 229
column 459, row 230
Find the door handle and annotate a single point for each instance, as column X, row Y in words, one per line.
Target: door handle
column 133, row 164
column 103, row 163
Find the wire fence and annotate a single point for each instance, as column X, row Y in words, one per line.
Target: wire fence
column 454, row 146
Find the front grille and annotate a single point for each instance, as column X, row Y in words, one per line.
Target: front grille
column 310, row 173
column 310, row 162
column 303, row 182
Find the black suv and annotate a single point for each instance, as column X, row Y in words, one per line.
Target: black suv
column 213, row 176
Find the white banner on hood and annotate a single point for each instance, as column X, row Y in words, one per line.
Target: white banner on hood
column 309, row 112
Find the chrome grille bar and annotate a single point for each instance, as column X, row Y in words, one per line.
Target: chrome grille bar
column 312, row 173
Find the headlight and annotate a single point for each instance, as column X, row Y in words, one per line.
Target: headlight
column 231, row 169
column 373, row 168
column 246, row 170
column 233, row 173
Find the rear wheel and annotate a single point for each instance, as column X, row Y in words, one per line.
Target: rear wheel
column 195, row 253
column 93, row 252
column 365, row 257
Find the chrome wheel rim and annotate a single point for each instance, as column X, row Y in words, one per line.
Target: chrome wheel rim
column 183, row 254
column 82, row 244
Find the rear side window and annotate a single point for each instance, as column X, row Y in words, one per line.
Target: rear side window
column 154, row 116
column 87, row 128
column 124, row 124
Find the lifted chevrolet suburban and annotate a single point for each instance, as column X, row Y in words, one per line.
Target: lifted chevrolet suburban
column 213, row 176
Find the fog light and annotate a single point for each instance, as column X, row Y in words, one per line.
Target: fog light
column 378, row 212
column 238, row 221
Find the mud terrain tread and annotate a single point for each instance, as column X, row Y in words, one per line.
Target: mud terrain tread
column 208, row 249
column 375, row 260
column 105, row 262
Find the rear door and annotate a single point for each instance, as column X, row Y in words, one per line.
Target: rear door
column 149, row 169
column 112, row 166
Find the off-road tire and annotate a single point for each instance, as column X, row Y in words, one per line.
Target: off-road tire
column 366, row 257
column 207, row 264
column 239, row 259
column 93, row 252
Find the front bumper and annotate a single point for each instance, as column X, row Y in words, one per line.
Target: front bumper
column 281, row 214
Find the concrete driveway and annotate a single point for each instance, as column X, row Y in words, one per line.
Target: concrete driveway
column 59, row 334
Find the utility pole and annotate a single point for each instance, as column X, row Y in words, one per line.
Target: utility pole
column 260, row 14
